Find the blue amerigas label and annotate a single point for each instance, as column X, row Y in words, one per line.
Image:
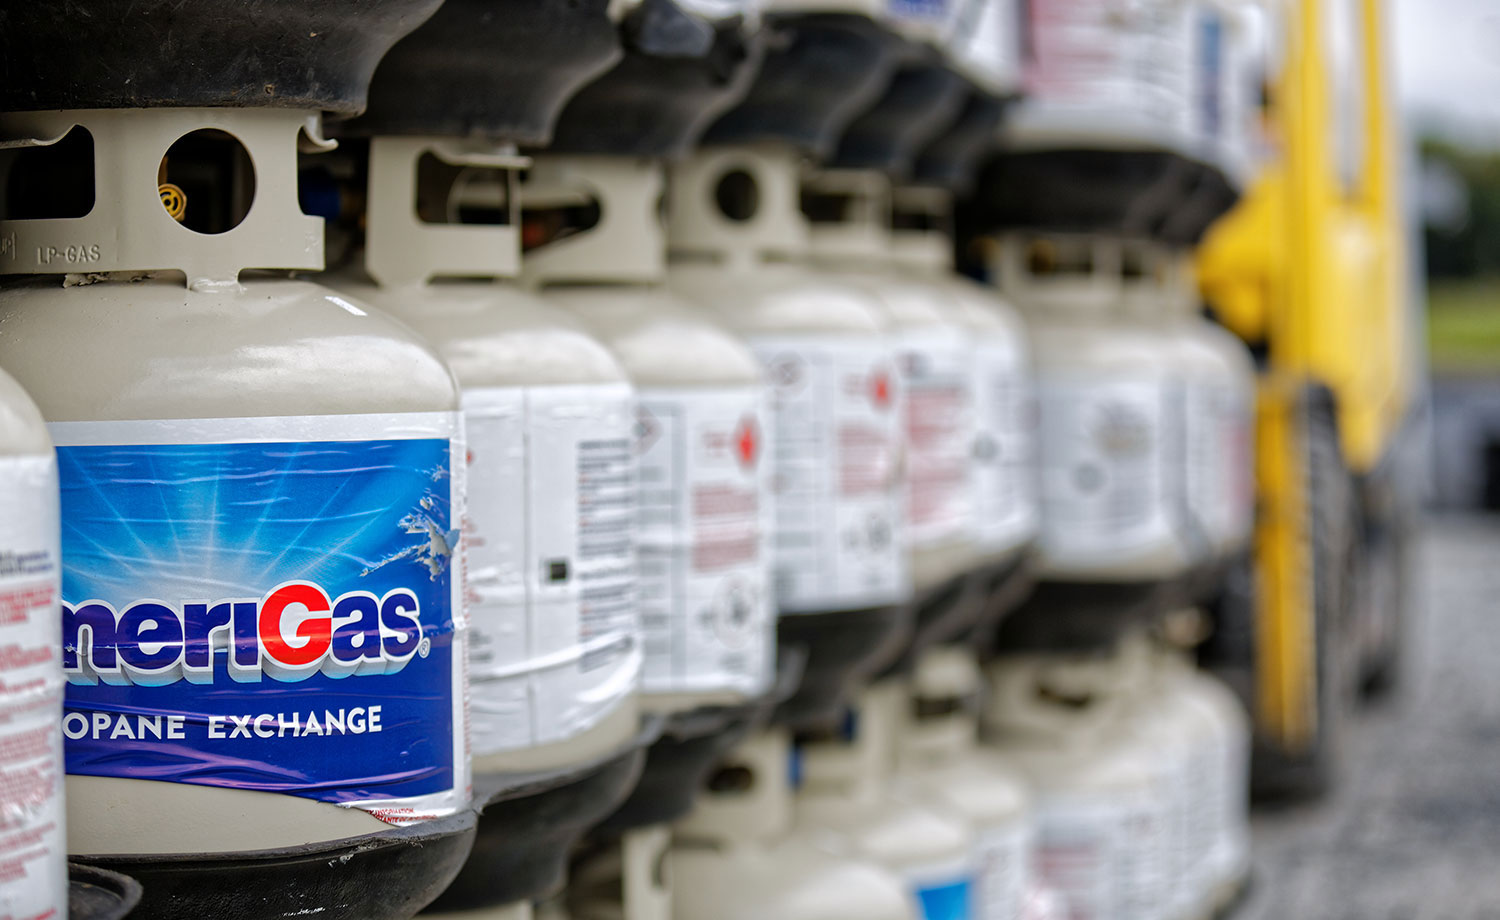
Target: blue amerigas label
column 279, row 612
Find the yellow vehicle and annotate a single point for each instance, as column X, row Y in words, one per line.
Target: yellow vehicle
column 1310, row 269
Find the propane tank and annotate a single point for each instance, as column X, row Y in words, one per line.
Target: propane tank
column 1004, row 476
column 1224, row 87
column 1111, row 549
column 737, row 857
column 550, row 414
column 1227, row 479
column 1105, row 76
column 1102, row 820
column 704, row 509
column 1232, row 850
column 1215, row 400
column 554, row 647
column 849, row 210
column 847, row 804
column 1224, row 762
column 825, row 84
column 35, row 846
column 549, row 554
column 1183, row 747
column 270, row 422
column 840, row 565
column 1103, row 139
column 940, row 764
column 1146, row 295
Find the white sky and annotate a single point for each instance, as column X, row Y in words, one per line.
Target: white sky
column 1448, row 65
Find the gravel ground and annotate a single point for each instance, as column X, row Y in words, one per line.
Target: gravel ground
column 1413, row 832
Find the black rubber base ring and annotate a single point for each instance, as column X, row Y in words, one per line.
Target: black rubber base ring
column 1003, row 588
column 1086, row 616
column 94, row 894
column 841, row 648
column 386, row 876
column 525, row 836
column 1142, row 193
column 938, row 615
column 677, row 766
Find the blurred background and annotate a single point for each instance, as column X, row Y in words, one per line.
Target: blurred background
column 1449, row 78
column 1412, row 830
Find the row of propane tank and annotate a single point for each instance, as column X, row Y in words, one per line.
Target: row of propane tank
column 354, row 591
column 621, row 410
column 1104, row 786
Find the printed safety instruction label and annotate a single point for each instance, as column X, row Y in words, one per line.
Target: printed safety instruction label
column 1005, row 483
column 704, row 527
column 1102, row 856
column 839, row 510
column 555, row 643
column 1106, row 56
column 1004, row 871
column 1103, row 468
column 937, row 372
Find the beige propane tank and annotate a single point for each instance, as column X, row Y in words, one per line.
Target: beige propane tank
column 841, row 572
column 1004, row 484
column 1227, row 478
column 736, row 856
column 202, row 388
column 1102, row 820
column 1226, row 767
column 848, row 805
column 1102, row 73
column 704, row 514
column 1147, row 306
column 1183, row 747
column 940, row 764
column 544, row 404
column 850, row 213
column 1104, row 393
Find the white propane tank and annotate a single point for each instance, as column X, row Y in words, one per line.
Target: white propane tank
column 1225, row 103
column 1184, row 747
column 736, row 856
column 270, row 422
column 841, row 571
column 1228, row 728
column 847, row 804
column 704, row 511
column 1227, row 478
column 1147, row 306
column 850, row 211
column 1006, row 518
column 555, row 648
column 940, row 764
column 1102, row 821
column 1215, row 398
column 1103, row 391
column 34, row 850
column 1106, row 73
